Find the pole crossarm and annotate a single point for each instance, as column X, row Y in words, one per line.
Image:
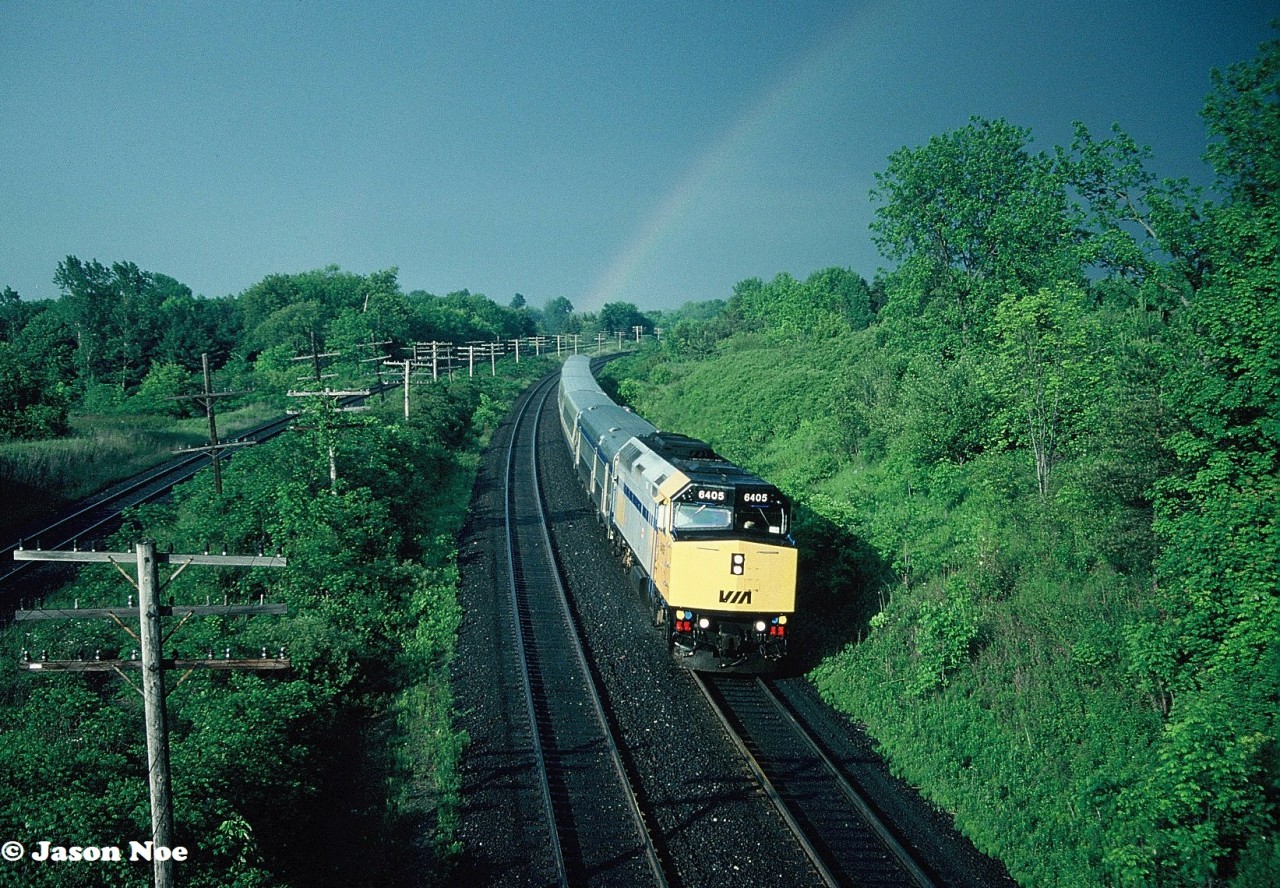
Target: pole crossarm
column 199, row 396
column 330, row 393
column 160, row 558
column 164, row 610
column 205, row 448
column 256, row 663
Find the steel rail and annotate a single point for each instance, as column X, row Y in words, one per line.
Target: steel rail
column 855, row 797
column 725, row 707
column 598, row 707
column 553, row 830
column 559, row 598
column 766, row 785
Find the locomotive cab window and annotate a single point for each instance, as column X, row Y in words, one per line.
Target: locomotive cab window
column 762, row 519
column 700, row 516
column 760, row 511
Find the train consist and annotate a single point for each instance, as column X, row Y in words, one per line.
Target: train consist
column 705, row 541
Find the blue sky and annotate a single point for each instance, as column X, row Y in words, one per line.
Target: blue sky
column 648, row 152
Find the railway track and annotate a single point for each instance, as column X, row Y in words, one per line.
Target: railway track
column 837, row 828
column 92, row 520
column 596, row 830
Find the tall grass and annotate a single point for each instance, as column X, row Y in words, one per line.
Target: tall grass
column 38, row 476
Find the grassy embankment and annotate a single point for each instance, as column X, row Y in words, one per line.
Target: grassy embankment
column 975, row 631
column 36, row 477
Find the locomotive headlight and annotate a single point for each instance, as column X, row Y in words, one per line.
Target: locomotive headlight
column 704, row 623
column 760, row 627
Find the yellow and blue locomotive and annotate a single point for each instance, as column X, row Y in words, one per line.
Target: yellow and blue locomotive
column 706, row 541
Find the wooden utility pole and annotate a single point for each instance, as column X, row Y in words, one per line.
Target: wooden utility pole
column 439, row 350
column 315, row 358
column 470, row 350
column 325, row 427
column 405, row 366
column 377, row 359
column 214, row 447
column 562, row 339
column 494, row 348
column 151, row 638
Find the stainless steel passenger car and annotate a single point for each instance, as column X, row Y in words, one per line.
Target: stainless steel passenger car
column 707, row 542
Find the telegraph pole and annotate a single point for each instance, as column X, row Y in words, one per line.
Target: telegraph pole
column 329, row 398
column 438, row 350
column 377, row 359
column 151, row 639
column 315, row 357
column 214, row 448
column 406, row 365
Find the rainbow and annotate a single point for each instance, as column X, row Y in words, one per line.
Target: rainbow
column 675, row 207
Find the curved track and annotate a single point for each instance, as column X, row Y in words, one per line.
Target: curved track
column 93, row 519
column 596, row 831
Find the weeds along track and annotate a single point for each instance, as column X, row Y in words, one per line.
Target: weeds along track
column 838, row 829
column 91, row 521
column 596, row 831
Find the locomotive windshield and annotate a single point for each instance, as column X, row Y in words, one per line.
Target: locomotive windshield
column 700, row 516
column 751, row 508
column 760, row 509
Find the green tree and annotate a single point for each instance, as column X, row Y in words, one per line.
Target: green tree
column 1210, row 795
column 830, row 302
column 118, row 317
column 1043, row 370
column 11, row 320
column 386, row 307
column 556, row 314
column 620, row 317
column 161, row 389
column 37, row 371
column 971, row 215
column 1122, row 196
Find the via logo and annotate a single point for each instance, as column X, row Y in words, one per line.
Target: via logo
column 740, row 596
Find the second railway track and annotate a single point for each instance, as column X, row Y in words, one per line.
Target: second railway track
column 596, row 831
column 94, row 519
